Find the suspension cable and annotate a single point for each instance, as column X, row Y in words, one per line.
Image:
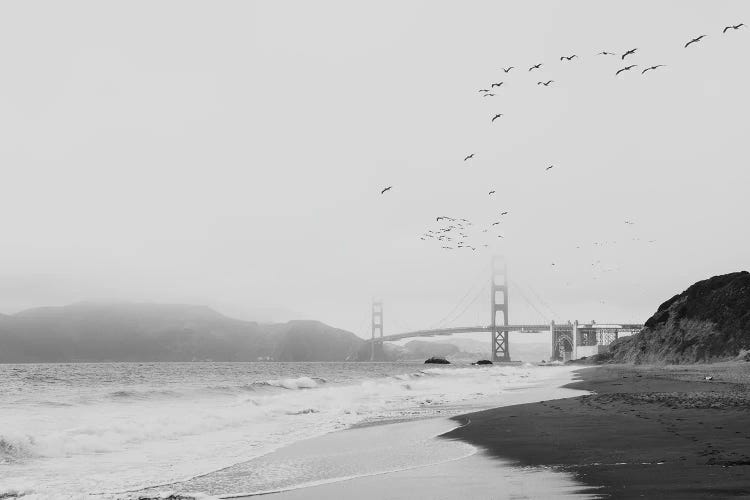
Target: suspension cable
column 519, row 289
column 479, row 293
column 455, row 308
column 544, row 303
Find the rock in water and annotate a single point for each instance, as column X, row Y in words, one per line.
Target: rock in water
column 707, row 322
column 483, row 362
column 437, row 361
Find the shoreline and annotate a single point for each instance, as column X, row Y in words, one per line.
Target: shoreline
column 434, row 478
column 648, row 431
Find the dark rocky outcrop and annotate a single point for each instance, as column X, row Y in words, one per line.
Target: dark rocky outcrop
column 707, row 322
column 483, row 362
column 437, row 361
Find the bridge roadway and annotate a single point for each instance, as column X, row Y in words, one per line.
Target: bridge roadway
column 502, row 328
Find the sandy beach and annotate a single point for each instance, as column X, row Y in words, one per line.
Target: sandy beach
column 646, row 432
column 478, row 476
column 410, row 460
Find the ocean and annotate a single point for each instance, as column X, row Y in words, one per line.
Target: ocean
column 111, row 430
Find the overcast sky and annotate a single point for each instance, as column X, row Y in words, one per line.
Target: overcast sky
column 233, row 153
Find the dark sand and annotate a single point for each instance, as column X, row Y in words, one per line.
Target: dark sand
column 647, row 432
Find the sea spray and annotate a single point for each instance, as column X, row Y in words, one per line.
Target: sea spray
column 147, row 424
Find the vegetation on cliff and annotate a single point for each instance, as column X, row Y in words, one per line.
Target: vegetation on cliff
column 709, row 321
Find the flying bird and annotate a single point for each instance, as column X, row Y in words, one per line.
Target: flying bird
column 492, row 192
column 488, row 95
column 495, row 223
column 386, row 189
column 626, row 68
column 496, row 84
column 504, row 213
column 469, row 157
column 569, row 58
column 695, row 40
column 735, row 27
column 496, row 116
column 626, row 54
column 549, row 167
column 508, row 69
column 605, row 53
column 546, row 84
column 652, row 67
column 484, row 90
column 536, row 66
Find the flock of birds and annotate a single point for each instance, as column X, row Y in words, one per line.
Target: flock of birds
column 454, row 233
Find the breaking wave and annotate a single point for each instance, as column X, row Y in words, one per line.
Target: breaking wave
column 14, row 448
column 295, row 383
column 146, row 394
column 284, row 383
column 194, row 422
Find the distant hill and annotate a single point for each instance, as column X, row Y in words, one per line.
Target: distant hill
column 708, row 321
column 312, row 341
column 460, row 349
column 414, row 350
column 426, row 349
column 94, row 332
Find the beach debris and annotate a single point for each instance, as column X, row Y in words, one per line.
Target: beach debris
column 709, row 377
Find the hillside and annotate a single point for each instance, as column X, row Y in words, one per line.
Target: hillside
column 312, row 341
column 94, row 332
column 423, row 349
column 708, row 321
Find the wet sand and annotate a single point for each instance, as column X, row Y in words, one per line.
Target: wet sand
column 647, row 432
column 476, row 477
column 408, row 460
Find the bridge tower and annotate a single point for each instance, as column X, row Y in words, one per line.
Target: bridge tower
column 499, row 285
column 376, row 351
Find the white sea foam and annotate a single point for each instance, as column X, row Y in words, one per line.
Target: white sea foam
column 114, row 439
column 296, row 383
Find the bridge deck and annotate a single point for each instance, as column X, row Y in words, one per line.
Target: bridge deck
column 505, row 328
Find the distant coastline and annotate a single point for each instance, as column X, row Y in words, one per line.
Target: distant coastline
column 92, row 332
column 146, row 332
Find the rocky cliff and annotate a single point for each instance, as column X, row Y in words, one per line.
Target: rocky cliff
column 709, row 321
